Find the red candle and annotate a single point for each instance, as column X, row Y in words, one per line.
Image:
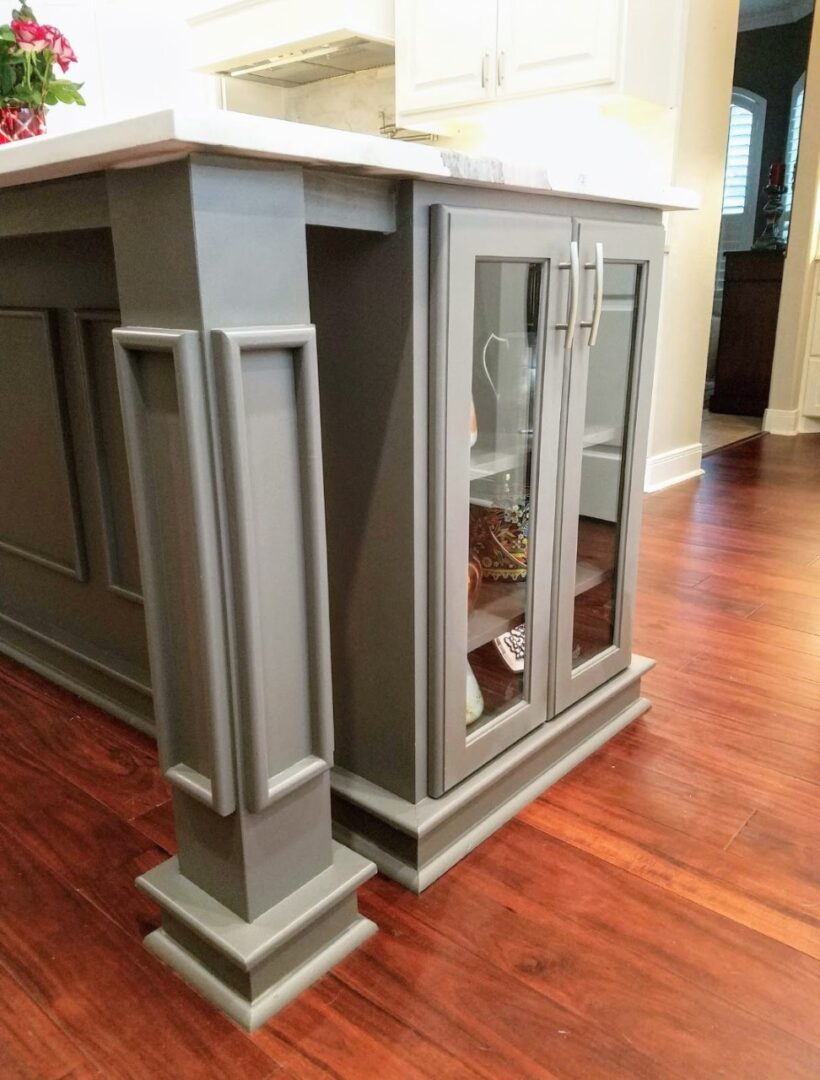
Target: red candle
column 777, row 173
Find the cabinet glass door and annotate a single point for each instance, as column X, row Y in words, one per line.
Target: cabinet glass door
column 498, row 361
column 605, row 454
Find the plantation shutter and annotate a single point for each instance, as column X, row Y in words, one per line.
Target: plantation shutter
column 740, row 195
column 738, row 153
column 792, row 144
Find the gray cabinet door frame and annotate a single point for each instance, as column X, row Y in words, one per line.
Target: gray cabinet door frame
column 632, row 244
column 459, row 238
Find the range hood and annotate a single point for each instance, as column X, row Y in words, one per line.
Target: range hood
column 291, row 42
column 310, row 62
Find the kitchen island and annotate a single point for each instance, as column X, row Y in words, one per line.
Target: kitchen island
column 191, row 540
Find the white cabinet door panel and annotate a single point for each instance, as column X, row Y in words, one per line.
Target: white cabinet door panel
column 547, row 46
column 445, row 53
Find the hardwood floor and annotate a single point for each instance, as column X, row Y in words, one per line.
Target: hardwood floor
column 655, row 914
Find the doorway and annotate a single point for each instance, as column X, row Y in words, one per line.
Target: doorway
column 761, row 158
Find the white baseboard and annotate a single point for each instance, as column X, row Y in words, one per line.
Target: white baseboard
column 808, row 425
column 781, row 421
column 673, row 466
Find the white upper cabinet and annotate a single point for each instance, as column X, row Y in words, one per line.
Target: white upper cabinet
column 453, row 55
column 545, row 46
column 445, row 53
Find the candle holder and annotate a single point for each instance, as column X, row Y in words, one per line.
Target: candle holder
column 769, row 239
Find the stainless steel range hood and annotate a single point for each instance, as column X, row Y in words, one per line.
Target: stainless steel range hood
column 311, row 63
column 291, row 42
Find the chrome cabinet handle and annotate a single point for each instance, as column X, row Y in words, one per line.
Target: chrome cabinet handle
column 598, row 267
column 574, row 267
column 485, row 67
column 500, row 68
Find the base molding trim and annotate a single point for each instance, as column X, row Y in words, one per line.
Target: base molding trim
column 141, row 720
column 673, row 467
column 781, row 421
column 415, row 844
column 252, row 970
column 252, row 1015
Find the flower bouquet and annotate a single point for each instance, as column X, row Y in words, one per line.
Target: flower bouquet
column 29, row 52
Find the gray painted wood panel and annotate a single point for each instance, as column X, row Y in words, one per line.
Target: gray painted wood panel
column 362, row 304
column 94, row 331
column 39, row 507
column 166, row 422
column 268, row 400
column 82, row 634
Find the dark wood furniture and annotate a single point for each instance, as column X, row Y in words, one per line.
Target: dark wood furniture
column 751, row 299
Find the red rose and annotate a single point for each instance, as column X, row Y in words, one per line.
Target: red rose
column 31, row 37
column 61, row 48
column 35, row 37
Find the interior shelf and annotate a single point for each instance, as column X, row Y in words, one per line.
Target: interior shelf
column 600, row 435
column 587, row 576
column 500, row 606
column 491, row 462
column 486, row 463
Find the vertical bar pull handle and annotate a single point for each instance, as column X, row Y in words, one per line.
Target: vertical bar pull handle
column 485, row 68
column 502, row 59
column 598, row 267
column 574, row 267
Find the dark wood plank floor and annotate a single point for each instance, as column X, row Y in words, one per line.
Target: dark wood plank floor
column 655, row 914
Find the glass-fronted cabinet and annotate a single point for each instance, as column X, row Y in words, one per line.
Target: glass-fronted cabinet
column 538, row 329
column 486, row 504
column 600, row 508
column 500, row 289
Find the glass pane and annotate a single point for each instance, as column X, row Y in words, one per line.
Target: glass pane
column 505, row 329
column 602, row 464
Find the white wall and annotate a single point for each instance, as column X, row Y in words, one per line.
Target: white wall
column 692, row 238
column 132, row 59
column 794, row 398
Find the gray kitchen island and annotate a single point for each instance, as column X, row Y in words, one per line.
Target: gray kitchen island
column 307, row 438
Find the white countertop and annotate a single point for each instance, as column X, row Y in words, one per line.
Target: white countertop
column 172, row 134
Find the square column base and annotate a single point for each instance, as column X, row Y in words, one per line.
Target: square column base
column 251, row 970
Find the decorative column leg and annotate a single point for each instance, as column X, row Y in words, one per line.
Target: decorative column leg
column 222, row 431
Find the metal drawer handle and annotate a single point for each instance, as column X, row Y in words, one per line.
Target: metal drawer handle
column 485, row 67
column 574, row 267
column 598, row 267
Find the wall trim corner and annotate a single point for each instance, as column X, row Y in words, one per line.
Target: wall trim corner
column 781, row 421
column 673, row 467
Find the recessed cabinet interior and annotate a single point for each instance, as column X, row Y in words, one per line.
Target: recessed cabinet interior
column 483, row 506
column 463, row 53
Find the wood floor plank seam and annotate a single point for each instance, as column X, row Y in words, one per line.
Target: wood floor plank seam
column 420, row 916
column 422, row 1035
column 801, row 939
column 82, row 1051
column 675, row 973
column 511, row 973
